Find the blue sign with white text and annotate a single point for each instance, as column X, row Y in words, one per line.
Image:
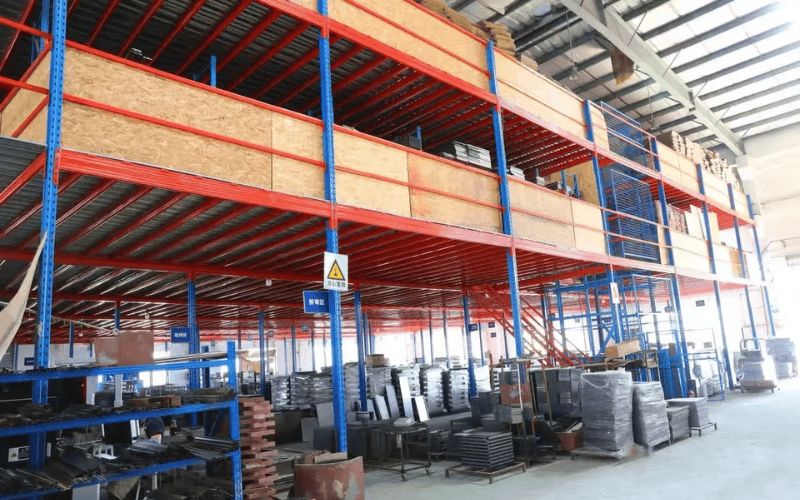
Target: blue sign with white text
column 473, row 327
column 28, row 362
column 315, row 302
column 179, row 334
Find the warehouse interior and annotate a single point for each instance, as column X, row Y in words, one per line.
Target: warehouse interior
column 348, row 249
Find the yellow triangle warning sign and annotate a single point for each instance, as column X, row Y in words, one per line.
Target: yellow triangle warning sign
column 335, row 273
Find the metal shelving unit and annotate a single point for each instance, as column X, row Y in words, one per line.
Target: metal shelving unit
column 231, row 405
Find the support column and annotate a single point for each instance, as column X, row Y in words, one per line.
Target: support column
column 743, row 264
column 294, row 350
column 765, row 289
column 560, row 308
column 212, row 71
column 262, row 353
column 362, row 369
column 473, row 386
column 414, row 344
column 680, row 341
column 71, row 341
column 446, row 341
column 194, row 333
column 713, row 261
column 313, row 352
column 206, row 371
column 589, row 326
column 430, row 335
column 286, row 356
column 422, row 346
column 480, row 342
column 505, row 201
column 371, row 338
column 58, row 30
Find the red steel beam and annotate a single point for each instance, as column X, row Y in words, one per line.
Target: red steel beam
column 259, row 236
column 34, row 208
column 162, row 207
column 269, row 55
column 22, row 179
column 383, row 94
column 297, row 65
column 401, row 119
column 172, row 226
column 137, row 30
column 184, row 20
column 311, row 81
column 101, row 23
column 386, row 77
column 245, row 42
column 386, row 109
column 216, row 32
column 223, row 238
column 148, row 283
column 107, row 216
column 261, row 251
column 359, row 73
column 24, row 19
column 311, row 248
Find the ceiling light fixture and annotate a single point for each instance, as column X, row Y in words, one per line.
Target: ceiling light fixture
column 574, row 73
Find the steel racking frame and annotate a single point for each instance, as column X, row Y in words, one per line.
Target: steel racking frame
column 554, row 150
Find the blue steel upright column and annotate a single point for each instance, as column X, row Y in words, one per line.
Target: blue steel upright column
column 58, row 30
column 473, row 386
column 767, row 304
column 505, row 200
column 743, row 264
column 337, row 370
column 194, row 334
column 360, row 340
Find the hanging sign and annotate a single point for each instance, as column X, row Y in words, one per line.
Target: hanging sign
column 315, row 302
column 491, row 324
column 473, row 327
column 494, row 335
column 700, row 303
column 179, row 334
column 335, row 275
column 271, row 333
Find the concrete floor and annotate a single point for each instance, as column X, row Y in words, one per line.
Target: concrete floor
column 753, row 455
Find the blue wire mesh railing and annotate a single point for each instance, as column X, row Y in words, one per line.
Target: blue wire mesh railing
column 626, row 137
column 634, row 237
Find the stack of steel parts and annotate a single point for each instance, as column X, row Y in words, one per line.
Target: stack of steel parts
column 204, row 396
column 22, row 480
column 378, row 378
column 256, row 426
column 698, row 410
column 487, row 450
column 607, row 410
column 310, row 388
column 508, row 414
column 456, row 390
column 558, row 392
column 352, row 392
column 483, row 378
column 678, row 417
column 432, row 388
column 410, row 372
column 650, row 423
column 189, row 490
column 467, row 153
column 281, row 395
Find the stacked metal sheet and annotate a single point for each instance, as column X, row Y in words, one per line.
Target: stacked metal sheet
column 650, row 423
column 678, row 417
column 410, row 372
column 457, row 390
column 508, row 414
column 309, row 388
column 487, row 450
column 281, row 394
column 698, row 410
column 466, row 153
column 377, row 379
column 483, row 378
column 607, row 399
column 351, row 385
column 560, row 393
column 432, row 388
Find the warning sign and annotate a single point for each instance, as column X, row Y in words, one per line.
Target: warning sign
column 335, row 275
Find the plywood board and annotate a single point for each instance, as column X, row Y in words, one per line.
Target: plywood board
column 373, row 194
column 541, row 201
column 544, row 231
column 295, row 177
column 713, row 221
column 439, row 208
column 371, row 157
column 424, row 171
column 590, row 241
column 105, row 133
column 587, row 215
column 672, row 173
column 688, row 243
column 668, row 156
column 688, row 260
column 308, row 4
column 135, row 90
column 554, row 110
column 25, row 101
column 586, row 181
column 698, row 215
column 693, row 225
column 395, row 37
column 662, row 245
column 296, row 136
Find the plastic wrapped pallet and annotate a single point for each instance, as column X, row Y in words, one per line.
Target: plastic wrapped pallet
column 678, row 417
column 378, row 378
column 281, row 394
column 411, row 372
column 650, row 423
column 698, row 410
column 607, row 410
column 483, row 378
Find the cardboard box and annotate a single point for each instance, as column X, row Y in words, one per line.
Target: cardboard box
column 376, row 360
column 622, row 349
column 126, row 349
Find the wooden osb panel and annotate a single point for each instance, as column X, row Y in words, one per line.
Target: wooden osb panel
column 296, row 136
column 25, row 101
column 108, row 134
column 741, row 201
column 135, row 90
column 296, row 177
column 396, row 38
column 586, row 181
column 662, row 244
column 671, row 173
column 593, row 239
column 36, row 131
column 585, row 214
column 544, row 230
column 372, row 194
column 688, row 260
column 538, row 200
column 308, row 4
column 668, row 156
column 371, row 157
column 687, row 243
column 439, row 208
column 554, row 110
column 590, row 241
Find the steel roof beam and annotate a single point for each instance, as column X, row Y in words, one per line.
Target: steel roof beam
column 623, row 36
column 140, row 25
column 187, row 16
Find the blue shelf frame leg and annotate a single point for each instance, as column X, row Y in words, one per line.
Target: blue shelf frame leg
column 194, row 332
column 371, row 338
column 360, row 341
column 262, row 353
column 680, row 341
column 743, row 265
column 430, row 339
column 765, row 289
column 473, row 386
column 233, row 417
column 505, row 201
column 286, row 355
column 71, row 341
column 313, row 352
column 58, row 30
column 332, row 233
column 212, row 71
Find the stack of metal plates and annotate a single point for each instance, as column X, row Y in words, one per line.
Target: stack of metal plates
column 650, row 424
column 698, row 410
column 432, row 389
column 466, row 153
column 508, row 414
column 377, row 380
column 678, row 417
column 483, row 378
column 411, row 373
column 281, row 395
column 487, row 450
column 309, row 388
column 457, row 390
column 351, row 385
column 607, row 410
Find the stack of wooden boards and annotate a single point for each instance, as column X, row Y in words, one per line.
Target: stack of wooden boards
column 497, row 33
column 710, row 160
column 256, row 426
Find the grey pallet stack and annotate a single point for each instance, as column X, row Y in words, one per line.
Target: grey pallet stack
column 698, row 410
column 783, row 370
column 650, row 423
column 377, row 379
column 410, row 372
column 487, row 450
column 432, row 388
column 678, row 417
column 321, row 388
column 483, row 378
column 607, row 410
column 352, row 391
column 281, row 393
column 564, row 388
column 309, row 388
column 508, row 414
column 457, row 390
column 299, row 389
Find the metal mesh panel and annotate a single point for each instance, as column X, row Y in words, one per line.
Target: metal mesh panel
column 626, row 138
column 631, row 196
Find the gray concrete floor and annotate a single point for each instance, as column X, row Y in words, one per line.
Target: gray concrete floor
column 754, row 454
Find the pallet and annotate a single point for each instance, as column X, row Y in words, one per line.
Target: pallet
column 598, row 453
column 469, row 470
column 700, row 430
